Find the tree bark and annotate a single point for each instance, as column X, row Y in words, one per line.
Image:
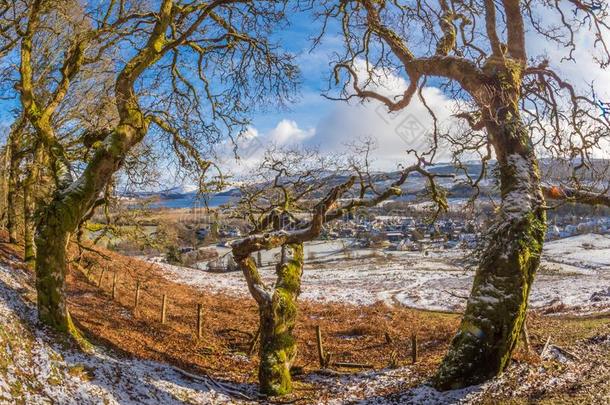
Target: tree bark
column 29, row 246
column 14, row 160
column 61, row 218
column 12, row 216
column 509, row 258
column 277, row 312
column 51, row 270
column 31, row 194
column 278, row 347
column 73, row 200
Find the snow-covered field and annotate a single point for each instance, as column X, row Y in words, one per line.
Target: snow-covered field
column 574, row 276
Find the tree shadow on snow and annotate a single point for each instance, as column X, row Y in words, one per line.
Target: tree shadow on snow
column 343, row 385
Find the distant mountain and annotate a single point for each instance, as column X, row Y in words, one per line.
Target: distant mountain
column 184, row 189
column 233, row 192
column 179, row 192
column 455, row 181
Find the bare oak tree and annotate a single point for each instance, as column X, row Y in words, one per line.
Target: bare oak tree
column 515, row 108
column 295, row 193
column 192, row 71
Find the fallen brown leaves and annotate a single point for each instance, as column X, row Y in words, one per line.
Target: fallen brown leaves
column 351, row 333
column 378, row 335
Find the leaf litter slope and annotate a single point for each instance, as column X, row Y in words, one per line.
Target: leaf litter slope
column 35, row 369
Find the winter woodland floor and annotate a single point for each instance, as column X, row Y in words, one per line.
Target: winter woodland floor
column 139, row 362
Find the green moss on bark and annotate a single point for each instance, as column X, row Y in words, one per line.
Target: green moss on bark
column 496, row 308
column 277, row 319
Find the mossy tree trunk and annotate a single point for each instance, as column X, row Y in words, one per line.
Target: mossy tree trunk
column 60, row 219
column 278, row 347
column 51, row 270
column 12, row 213
column 278, row 304
column 73, row 199
column 29, row 246
column 32, row 189
column 509, row 258
column 277, row 311
column 14, row 157
column 511, row 253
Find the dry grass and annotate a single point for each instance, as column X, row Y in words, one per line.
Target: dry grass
column 351, row 333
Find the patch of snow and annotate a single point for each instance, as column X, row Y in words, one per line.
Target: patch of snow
column 182, row 189
column 572, row 277
column 40, row 371
column 520, row 200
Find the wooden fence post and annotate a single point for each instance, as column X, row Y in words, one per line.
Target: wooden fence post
column 163, row 308
column 199, row 321
column 137, row 299
column 114, row 285
column 99, row 282
column 321, row 355
column 414, row 348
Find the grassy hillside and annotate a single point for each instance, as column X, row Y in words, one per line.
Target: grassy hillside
column 138, row 360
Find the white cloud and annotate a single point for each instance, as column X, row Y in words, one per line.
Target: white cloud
column 287, row 132
column 252, row 143
column 395, row 133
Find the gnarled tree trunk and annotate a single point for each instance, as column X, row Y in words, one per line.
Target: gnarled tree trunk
column 278, row 348
column 74, row 199
column 509, row 258
column 61, row 218
column 14, row 159
column 277, row 311
column 32, row 190
column 29, row 226
column 12, row 216
column 51, row 269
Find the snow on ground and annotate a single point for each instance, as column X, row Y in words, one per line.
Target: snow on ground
column 574, row 276
column 519, row 382
column 366, row 388
column 35, row 370
column 590, row 251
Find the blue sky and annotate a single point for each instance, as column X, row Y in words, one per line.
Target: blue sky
column 316, row 121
